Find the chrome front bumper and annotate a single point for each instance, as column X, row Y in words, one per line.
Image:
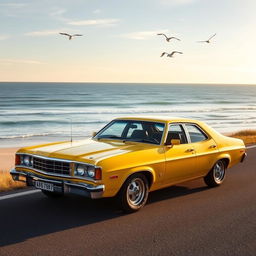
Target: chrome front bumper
column 60, row 186
column 243, row 157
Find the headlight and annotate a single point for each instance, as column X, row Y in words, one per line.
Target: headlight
column 81, row 170
column 88, row 171
column 91, row 171
column 26, row 160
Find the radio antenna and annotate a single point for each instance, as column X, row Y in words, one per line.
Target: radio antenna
column 71, row 132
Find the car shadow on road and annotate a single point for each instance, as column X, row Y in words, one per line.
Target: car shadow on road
column 36, row 215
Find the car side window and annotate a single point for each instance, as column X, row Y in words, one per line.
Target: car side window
column 196, row 135
column 176, row 132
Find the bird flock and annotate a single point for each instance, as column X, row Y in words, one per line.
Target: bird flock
column 168, row 39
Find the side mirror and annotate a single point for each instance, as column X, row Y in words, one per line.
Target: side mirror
column 94, row 133
column 175, row 142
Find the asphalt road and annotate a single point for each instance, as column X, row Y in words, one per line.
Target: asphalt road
column 188, row 219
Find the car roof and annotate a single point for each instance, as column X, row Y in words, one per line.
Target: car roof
column 166, row 119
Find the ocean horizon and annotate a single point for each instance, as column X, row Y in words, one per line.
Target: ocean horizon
column 38, row 112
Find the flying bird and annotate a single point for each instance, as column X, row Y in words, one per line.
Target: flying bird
column 207, row 41
column 168, row 39
column 170, row 54
column 69, row 36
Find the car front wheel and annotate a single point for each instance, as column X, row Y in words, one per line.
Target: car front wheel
column 217, row 174
column 134, row 193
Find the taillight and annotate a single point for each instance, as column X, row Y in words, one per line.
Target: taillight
column 17, row 160
column 98, row 173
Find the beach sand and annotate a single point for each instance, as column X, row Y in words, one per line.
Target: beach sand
column 7, row 158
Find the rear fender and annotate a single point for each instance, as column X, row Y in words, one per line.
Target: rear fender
column 225, row 156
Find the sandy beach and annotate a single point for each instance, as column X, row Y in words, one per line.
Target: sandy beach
column 7, row 158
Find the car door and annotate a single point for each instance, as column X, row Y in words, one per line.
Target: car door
column 205, row 148
column 180, row 159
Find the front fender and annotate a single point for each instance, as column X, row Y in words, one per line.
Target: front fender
column 143, row 169
column 116, row 181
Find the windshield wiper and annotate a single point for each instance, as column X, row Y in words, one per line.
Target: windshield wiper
column 109, row 137
column 153, row 141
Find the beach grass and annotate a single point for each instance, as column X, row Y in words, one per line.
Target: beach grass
column 7, row 183
column 248, row 136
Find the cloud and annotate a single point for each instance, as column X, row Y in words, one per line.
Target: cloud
column 19, row 61
column 58, row 12
column 95, row 22
column 178, row 2
column 12, row 9
column 43, row 32
column 4, row 37
column 13, row 5
column 97, row 11
column 143, row 35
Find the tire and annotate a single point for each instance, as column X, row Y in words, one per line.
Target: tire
column 52, row 194
column 134, row 193
column 217, row 174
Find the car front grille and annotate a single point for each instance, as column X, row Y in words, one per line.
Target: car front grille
column 51, row 166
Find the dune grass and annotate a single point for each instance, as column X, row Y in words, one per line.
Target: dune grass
column 7, row 183
column 248, row 136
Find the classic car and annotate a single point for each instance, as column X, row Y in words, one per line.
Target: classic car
column 128, row 158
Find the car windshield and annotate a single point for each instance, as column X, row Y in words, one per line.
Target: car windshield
column 133, row 130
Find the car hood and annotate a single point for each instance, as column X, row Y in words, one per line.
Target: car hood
column 90, row 151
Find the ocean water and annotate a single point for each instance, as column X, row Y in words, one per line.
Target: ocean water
column 32, row 113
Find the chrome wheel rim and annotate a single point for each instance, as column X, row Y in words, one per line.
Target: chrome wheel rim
column 136, row 192
column 219, row 172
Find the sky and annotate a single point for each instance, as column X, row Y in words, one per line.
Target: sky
column 120, row 41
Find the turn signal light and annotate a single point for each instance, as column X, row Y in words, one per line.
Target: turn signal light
column 98, row 173
column 17, row 159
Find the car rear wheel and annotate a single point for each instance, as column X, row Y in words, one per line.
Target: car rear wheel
column 134, row 193
column 217, row 174
column 52, row 194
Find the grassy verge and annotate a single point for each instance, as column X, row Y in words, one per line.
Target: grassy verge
column 248, row 136
column 6, row 182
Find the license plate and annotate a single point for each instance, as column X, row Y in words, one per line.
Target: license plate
column 44, row 185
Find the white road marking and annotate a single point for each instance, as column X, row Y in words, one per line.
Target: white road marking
column 253, row 146
column 19, row 194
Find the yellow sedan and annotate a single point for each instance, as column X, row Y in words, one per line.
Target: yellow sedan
column 128, row 158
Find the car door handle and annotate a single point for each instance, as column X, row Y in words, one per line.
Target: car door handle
column 190, row 150
column 213, row 146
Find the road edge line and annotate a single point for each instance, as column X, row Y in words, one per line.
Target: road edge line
column 252, row 146
column 19, row 194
